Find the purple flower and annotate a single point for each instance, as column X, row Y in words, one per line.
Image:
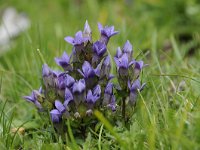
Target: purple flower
column 119, row 53
column 108, row 92
column 68, row 97
column 49, row 76
column 136, row 69
column 87, row 31
column 90, row 74
column 105, row 68
column 128, row 49
column 78, row 90
column 93, row 96
column 112, row 104
column 64, row 62
column 90, row 98
column 36, row 98
column 97, row 90
column 77, row 40
column 99, row 48
column 46, row 71
column 60, row 106
column 106, row 33
column 87, row 70
column 134, row 87
column 79, row 86
column 123, row 64
column 65, row 80
column 56, row 116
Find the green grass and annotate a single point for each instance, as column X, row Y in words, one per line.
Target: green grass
column 167, row 115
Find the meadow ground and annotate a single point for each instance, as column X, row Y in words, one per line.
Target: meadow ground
column 165, row 34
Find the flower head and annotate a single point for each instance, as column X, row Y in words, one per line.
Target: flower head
column 79, row 86
column 99, row 48
column 112, row 104
column 123, row 64
column 77, row 40
column 108, row 92
column 56, row 116
column 106, row 32
column 93, row 96
column 134, row 88
column 49, row 76
column 105, row 68
column 78, row 90
column 128, row 49
column 87, row 32
column 68, row 97
column 87, row 70
column 35, row 97
column 65, row 80
column 60, row 106
column 64, row 62
column 119, row 53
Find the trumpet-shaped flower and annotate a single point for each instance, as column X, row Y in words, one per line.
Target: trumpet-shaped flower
column 106, row 32
column 87, row 70
column 99, row 48
column 128, row 49
column 64, row 62
column 105, row 68
column 35, row 97
column 93, row 96
column 78, row 91
column 79, row 39
column 108, row 92
column 87, row 32
column 68, row 97
column 134, row 88
column 56, row 116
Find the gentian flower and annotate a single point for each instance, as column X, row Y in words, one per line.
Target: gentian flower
column 49, row 76
column 134, row 87
column 89, row 74
column 78, row 90
column 128, row 49
column 138, row 67
column 106, row 33
column 87, row 32
column 119, row 53
column 56, row 116
column 97, row 91
column 99, row 48
column 46, row 72
column 108, row 92
column 112, row 104
column 60, row 106
column 64, row 62
column 36, row 97
column 91, row 98
column 87, row 70
column 68, row 97
column 77, row 40
column 65, row 80
column 105, row 68
column 123, row 64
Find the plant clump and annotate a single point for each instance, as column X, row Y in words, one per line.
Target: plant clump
column 85, row 83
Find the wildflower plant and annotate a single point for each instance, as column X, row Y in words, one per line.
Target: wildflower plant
column 85, row 83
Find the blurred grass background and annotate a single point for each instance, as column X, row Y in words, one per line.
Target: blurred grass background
column 165, row 33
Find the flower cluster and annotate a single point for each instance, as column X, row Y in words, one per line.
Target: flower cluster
column 85, row 82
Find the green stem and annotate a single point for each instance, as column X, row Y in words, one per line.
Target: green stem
column 124, row 109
